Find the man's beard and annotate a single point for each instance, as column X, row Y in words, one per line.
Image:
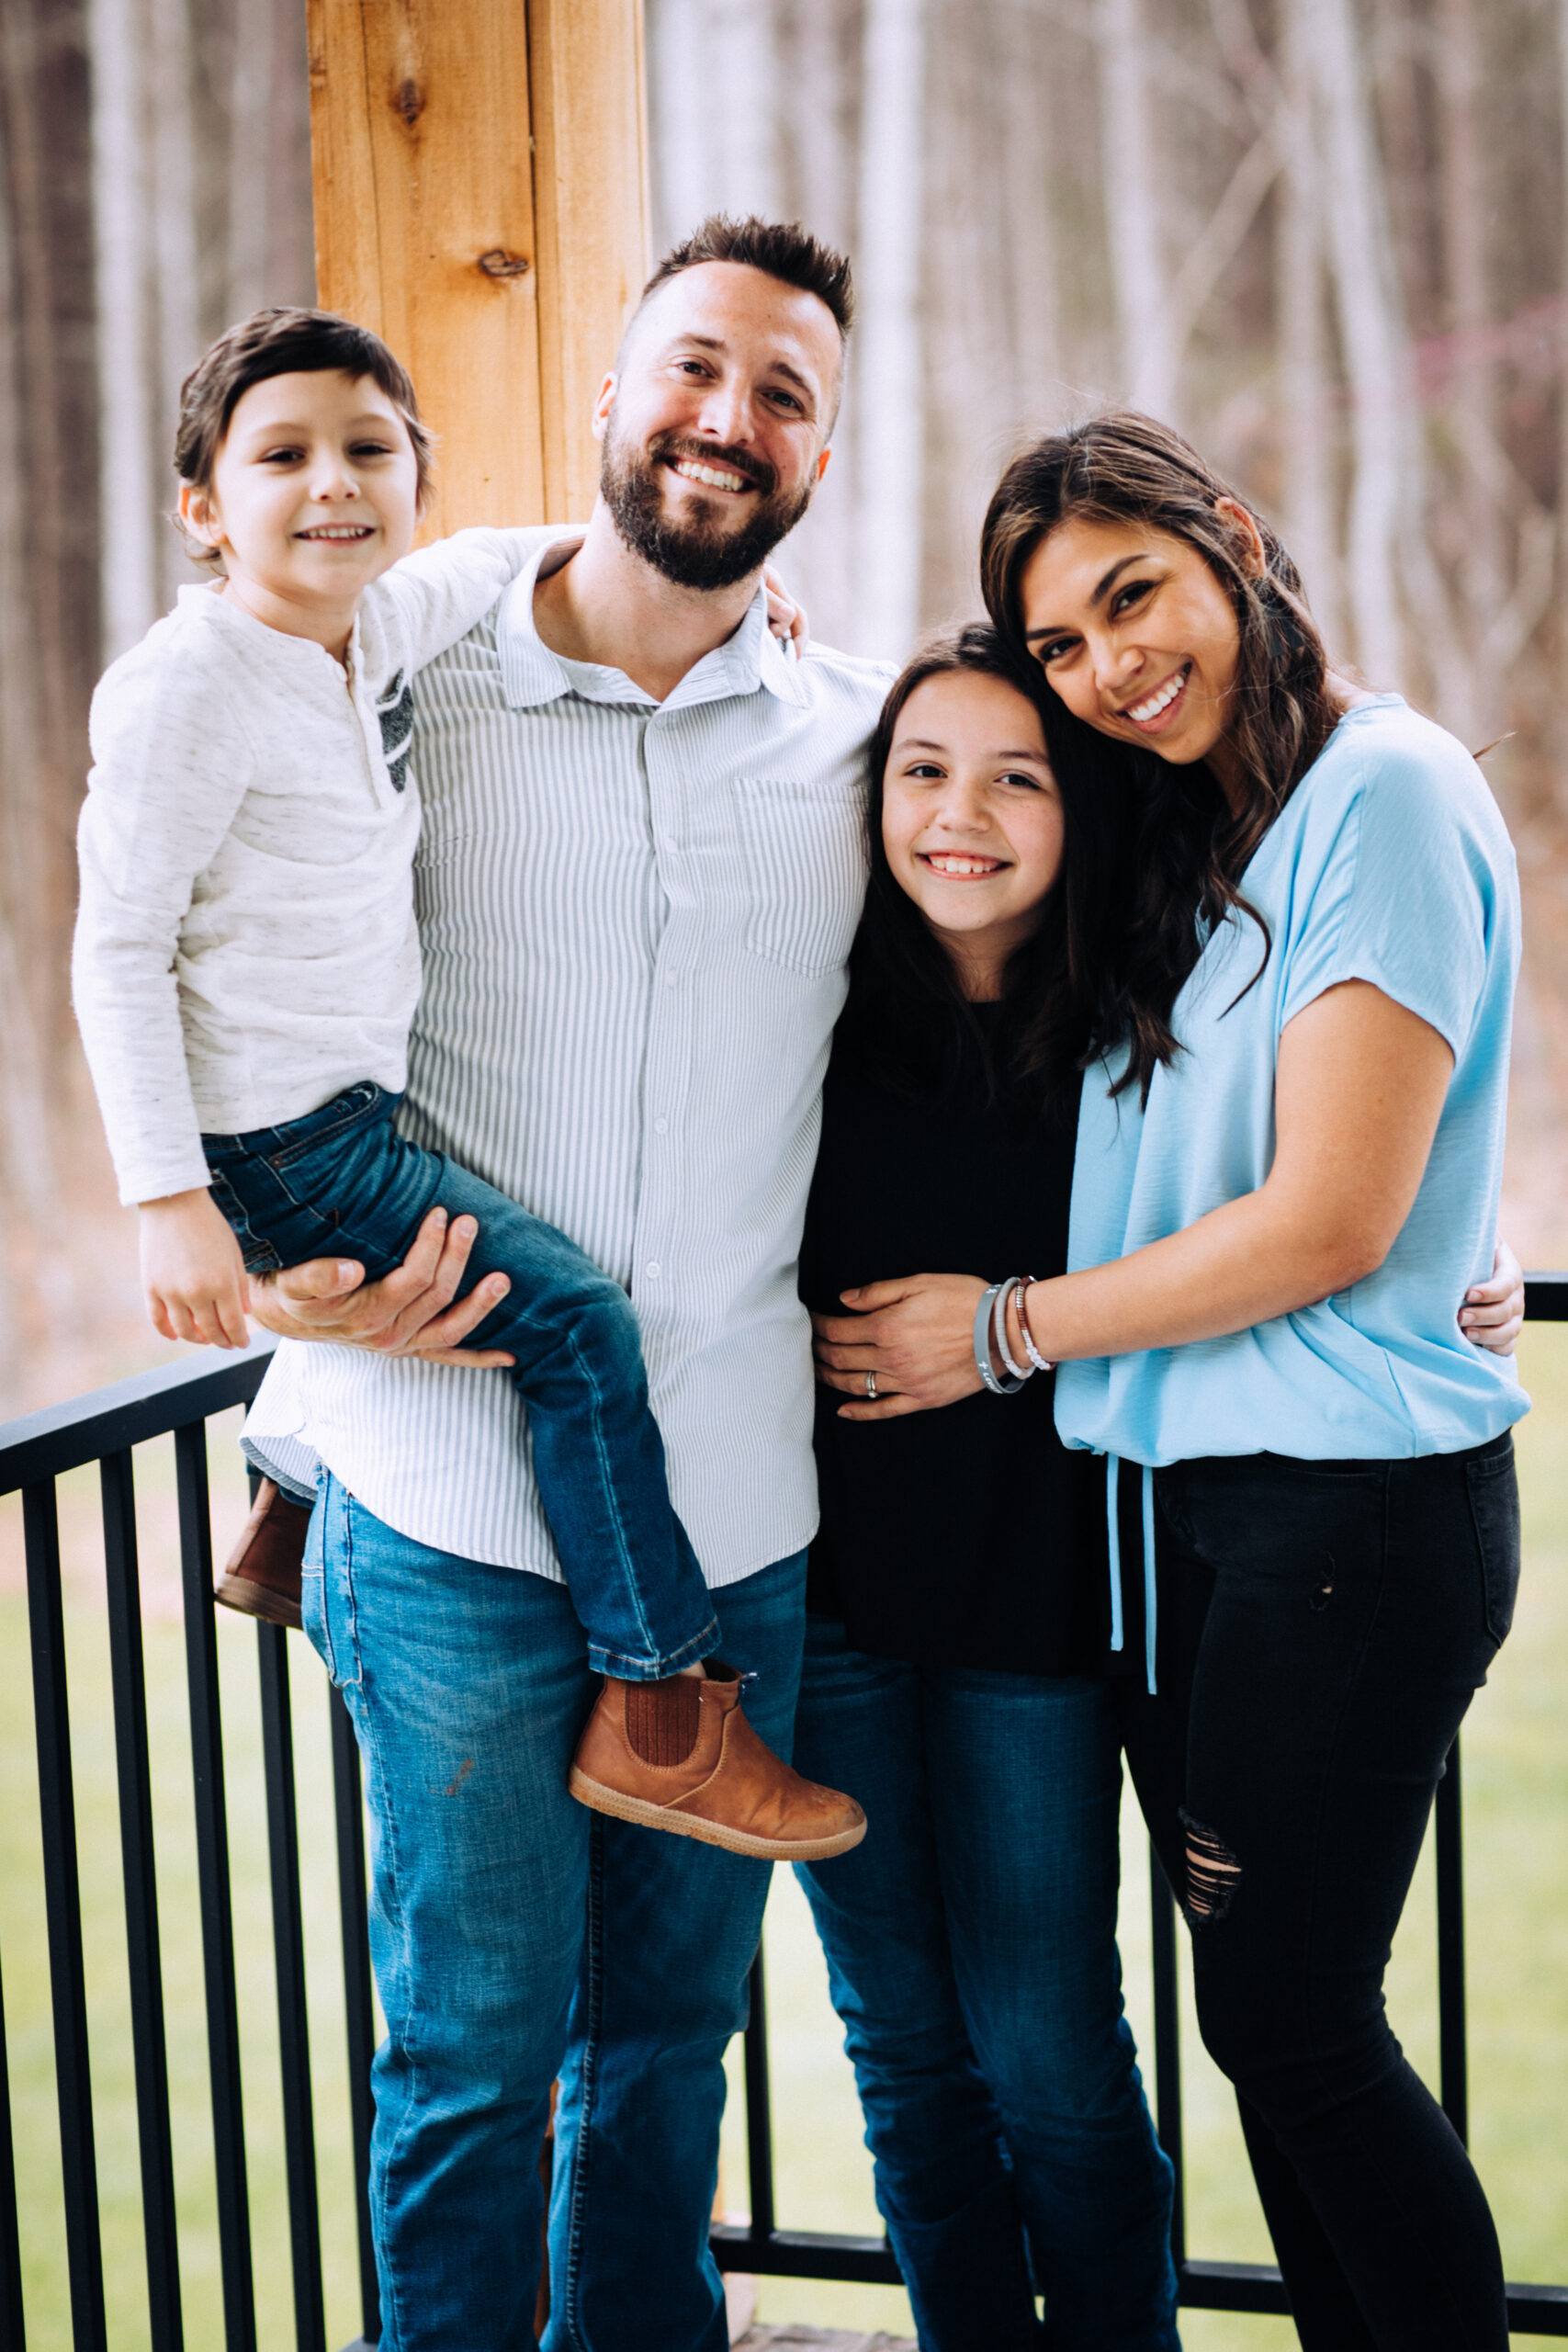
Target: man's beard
column 695, row 554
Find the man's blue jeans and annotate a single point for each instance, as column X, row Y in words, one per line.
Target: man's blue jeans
column 971, row 1946
column 516, row 1937
column 341, row 1182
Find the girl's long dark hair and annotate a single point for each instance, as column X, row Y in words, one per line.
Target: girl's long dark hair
column 908, row 1019
column 1185, row 851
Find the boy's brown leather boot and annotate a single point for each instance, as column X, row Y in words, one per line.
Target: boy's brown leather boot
column 680, row 1755
column 262, row 1578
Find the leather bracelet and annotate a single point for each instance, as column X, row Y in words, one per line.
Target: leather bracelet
column 1041, row 1363
column 983, row 1314
column 1020, row 1372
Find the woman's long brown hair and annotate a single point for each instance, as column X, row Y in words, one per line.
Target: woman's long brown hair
column 1188, row 850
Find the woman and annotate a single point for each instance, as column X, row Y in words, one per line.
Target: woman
column 1287, row 1167
column 951, row 1649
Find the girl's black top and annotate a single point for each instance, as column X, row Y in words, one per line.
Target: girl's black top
column 968, row 1535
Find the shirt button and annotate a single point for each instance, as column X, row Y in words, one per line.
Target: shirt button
column 652, row 1270
column 661, row 1127
column 671, row 980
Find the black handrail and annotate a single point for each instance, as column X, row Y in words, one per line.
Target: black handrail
column 102, row 1428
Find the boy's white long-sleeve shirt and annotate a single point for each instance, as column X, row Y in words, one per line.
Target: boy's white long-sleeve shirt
column 245, row 945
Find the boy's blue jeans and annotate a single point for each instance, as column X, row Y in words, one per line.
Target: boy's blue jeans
column 343, row 1182
column 971, row 1946
column 517, row 1935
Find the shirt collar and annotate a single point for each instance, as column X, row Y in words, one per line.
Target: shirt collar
column 203, row 600
column 532, row 673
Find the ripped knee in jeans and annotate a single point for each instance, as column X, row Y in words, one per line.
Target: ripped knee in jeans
column 1213, row 1873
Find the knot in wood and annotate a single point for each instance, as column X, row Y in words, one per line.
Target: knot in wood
column 499, row 263
column 409, row 100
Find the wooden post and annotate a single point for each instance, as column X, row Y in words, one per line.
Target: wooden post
column 480, row 192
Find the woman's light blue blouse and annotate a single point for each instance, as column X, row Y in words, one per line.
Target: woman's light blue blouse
column 1390, row 863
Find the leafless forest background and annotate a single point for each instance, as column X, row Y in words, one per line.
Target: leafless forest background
column 1328, row 238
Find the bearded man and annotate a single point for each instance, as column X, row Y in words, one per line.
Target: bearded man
column 641, row 870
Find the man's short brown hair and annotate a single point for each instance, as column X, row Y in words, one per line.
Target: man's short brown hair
column 782, row 249
column 285, row 341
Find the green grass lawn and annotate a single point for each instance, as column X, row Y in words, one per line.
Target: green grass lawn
column 1517, row 1876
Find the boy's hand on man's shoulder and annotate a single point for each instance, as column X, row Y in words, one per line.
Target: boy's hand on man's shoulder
column 409, row 1312
column 787, row 617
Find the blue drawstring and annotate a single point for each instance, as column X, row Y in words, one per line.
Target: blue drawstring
column 1113, row 1537
column 1114, row 1540
column 1151, row 1602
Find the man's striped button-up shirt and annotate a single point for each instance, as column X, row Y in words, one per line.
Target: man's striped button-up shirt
column 635, row 917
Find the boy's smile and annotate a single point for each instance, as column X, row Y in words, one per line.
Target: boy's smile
column 315, row 494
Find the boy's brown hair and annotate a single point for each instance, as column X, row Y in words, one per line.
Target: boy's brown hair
column 283, row 341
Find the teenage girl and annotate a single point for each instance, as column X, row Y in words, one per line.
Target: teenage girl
column 955, row 1639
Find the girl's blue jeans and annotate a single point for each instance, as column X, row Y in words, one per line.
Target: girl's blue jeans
column 343, row 1182
column 971, row 1945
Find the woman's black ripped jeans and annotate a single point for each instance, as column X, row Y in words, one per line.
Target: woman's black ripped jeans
column 1323, row 1626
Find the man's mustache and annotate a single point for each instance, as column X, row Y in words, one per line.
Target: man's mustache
column 761, row 476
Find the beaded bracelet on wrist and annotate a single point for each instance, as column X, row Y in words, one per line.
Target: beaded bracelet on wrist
column 1040, row 1363
column 1020, row 1372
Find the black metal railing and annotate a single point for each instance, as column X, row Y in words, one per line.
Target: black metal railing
column 101, row 1428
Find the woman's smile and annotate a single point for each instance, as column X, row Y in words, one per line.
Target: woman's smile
column 1155, row 710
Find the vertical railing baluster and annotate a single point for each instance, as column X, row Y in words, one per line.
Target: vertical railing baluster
column 140, row 1870
column 13, row 2320
column 759, row 2107
column 293, row 2020
column 216, row 1916
column 359, row 2015
column 1168, row 2045
column 1451, row 2050
column 62, row 1906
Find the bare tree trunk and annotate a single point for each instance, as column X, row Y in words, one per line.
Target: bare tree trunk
column 47, row 198
column 743, row 60
column 49, row 633
column 122, row 205
column 820, row 67
column 1473, row 398
column 680, row 103
column 1384, row 496
column 1562, row 295
column 1132, row 217
column 889, row 388
column 1307, row 439
column 1029, row 291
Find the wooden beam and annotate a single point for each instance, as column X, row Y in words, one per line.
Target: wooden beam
column 479, row 182
column 591, row 207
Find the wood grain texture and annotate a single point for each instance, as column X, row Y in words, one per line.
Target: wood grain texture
column 592, row 209
column 479, row 197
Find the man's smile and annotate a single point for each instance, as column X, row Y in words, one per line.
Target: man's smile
column 712, row 476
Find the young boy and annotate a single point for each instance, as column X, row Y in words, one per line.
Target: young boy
column 246, row 969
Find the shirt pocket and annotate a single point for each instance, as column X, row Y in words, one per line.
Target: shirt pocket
column 805, row 853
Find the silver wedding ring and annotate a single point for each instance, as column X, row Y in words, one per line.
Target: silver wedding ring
column 871, row 1387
